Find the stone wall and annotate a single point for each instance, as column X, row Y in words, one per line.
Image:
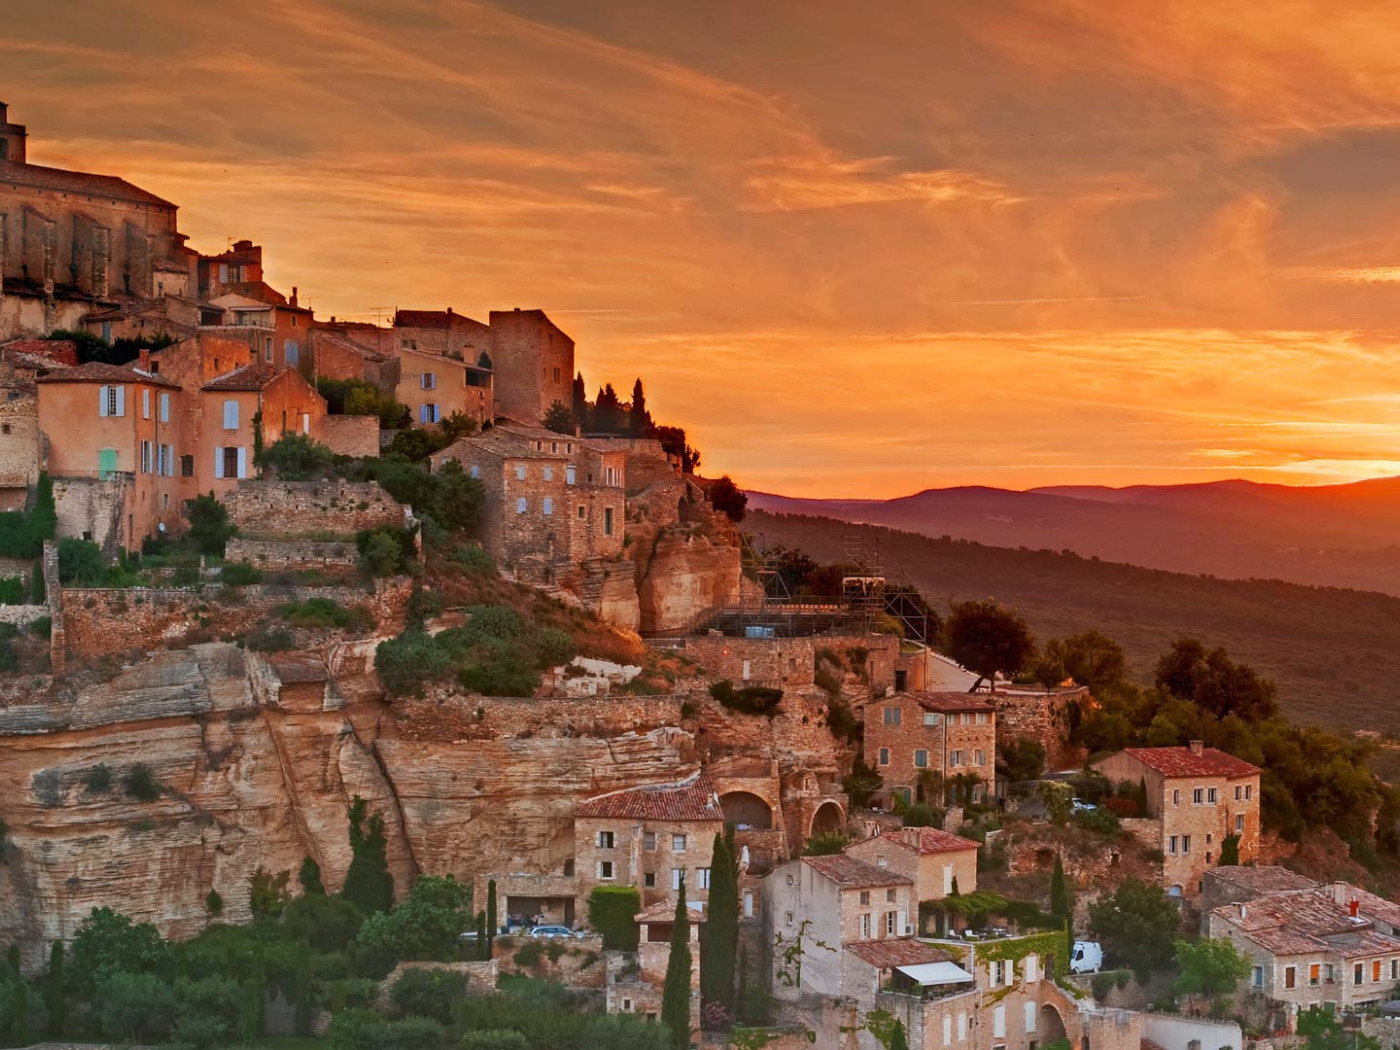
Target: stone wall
column 580, row 963
column 293, row 554
column 93, row 510
column 351, row 435
column 98, row 622
column 780, row 662
column 22, row 615
column 1044, row 717
column 307, row 507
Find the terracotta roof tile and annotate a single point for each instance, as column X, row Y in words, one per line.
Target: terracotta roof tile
column 1266, row 878
column 248, row 377
column 852, row 874
column 1310, row 921
column 665, row 911
column 692, row 799
column 433, row 319
column 40, row 177
column 1183, row 762
column 57, row 351
column 97, row 372
column 951, row 702
column 887, row 954
column 929, row 840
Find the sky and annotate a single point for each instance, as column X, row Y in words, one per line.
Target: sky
column 857, row 250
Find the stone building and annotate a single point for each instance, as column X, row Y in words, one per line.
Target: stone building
column 552, row 500
column 1331, row 947
column 914, row 735
column 22, row 361
column 73, row 243
column 650, row 837
column 534, row 363
column 443, row 332
column 1197, row 796
column 1236, row 884
column 936, row 860
column 335, row 355
column 233, row 408
column 436, row 387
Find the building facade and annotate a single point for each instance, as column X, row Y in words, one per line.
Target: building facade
column 435, row 387
column 914, row 737
column 938, row 861
column 534, row 364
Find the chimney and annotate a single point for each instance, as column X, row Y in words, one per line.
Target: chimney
column 910, row 836
column 294, row 295
column 1353, row 907
column 1244, row 912
column 1197, row 747
column 143, row 361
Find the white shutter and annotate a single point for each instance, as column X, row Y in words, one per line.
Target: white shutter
column 121, row 400
column 242, row 462
column 230, row 415
column 165, row 408
column 145, row 402
column 1032, row 969
column 1030, row 1018
column 218, row 463
column 102, row 400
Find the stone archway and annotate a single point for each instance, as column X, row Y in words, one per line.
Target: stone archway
column 1050, row 1026
column 746, row 811
column 828, row 818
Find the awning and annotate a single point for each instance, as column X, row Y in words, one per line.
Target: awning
column 936, row 973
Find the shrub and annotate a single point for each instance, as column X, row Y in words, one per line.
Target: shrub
column 270, row 638
column 494, row 1039
column 365, row 1030
column 296, row 457
column 386, row 551
column 43, row 627
column 428, row 993
column 842, row 721
column 750, row 700
column 328, row 924
column 826, row 843
column 1102, row 820
column 209, row 528
column 80, row 563
column 98, row 779
column 240, row 574
column 531, row 954
column 728, row 498
column 23, row 535
column 611, row 911
column 474, row 559
column 553, row 647
column 407, row 662
column 322, row 612
column 140, row 783
column 920, row 815
column 12, row 590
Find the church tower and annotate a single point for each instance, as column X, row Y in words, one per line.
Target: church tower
column 12, row 137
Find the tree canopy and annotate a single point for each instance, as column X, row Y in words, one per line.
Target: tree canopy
column 988, row 639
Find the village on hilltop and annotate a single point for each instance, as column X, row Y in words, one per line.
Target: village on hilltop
column 245, row 604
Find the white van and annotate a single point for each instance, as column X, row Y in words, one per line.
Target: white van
column 1086, row 957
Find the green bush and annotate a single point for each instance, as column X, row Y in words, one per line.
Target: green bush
column 826, row 843
column 750, row 700
column 530, row 955
column 240, row 574
column 328, row 924
column 140, row 783
column 428, row 993
column 612, row 911
column 494, row 1039
column 270, row 638
column 209, row 528
column 406, row 663
column 296, row 457
column 23, row 535
column 474, row 559
column 42, row 627
column 80, row 563
column 388, row 550
column 842, row 721
column 360, row 1029
column 12, row 590
column 98, row 779
column 322, row 612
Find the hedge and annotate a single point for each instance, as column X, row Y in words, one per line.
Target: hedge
column 612, row 911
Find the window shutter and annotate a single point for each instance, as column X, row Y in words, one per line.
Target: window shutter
column 422, row 380
column 121, row 400
column 218, row 463
column 145, row 402
column 242, row 462
column 102, row 400
column 422, row 413
column 165, row 408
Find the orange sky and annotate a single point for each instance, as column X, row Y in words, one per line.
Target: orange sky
column 1007, row 243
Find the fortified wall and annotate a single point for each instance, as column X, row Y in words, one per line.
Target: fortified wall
column 291, row 508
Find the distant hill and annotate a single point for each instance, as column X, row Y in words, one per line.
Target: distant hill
column 1335, row 653
column 1334, row 535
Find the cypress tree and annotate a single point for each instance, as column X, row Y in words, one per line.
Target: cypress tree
column 580, row 398
column 1141, row 797
column 492, row 920
column 12, row 957
column 1061, row 896
column 720, row 935
column 301, row 989
column 741, row 997
column 54, row 997
column 675, row 993
column 1229, row 851
column 898, row 1040
column 19, row 1011
column 481, row 950
column 368, row 882
column 310, row 877
column 638, row 419
column 250, row 1010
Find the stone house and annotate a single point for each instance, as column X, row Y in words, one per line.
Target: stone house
column 22, row 361
column 233, row 407
column 275, row 327
column 913, row 735
column 815, row 907
column 442, row 332
column 435, row 387
column 936, row 860
column 651, row 837
column 115, row 429
column 534, row 363
column 1197, row 796
column 552, row 501
column 1333, row 946
column 334, row 355
column 1235, row 884
column 642, row 992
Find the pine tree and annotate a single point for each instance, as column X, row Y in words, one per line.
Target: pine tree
column 898, row 1040
column 1061, row 896
column 639, row 420
column 675, row 993
column 368, row 882
column 54, row 994
column 720, row 935
column 310, row 877
column 580, row 405
column 492, row 919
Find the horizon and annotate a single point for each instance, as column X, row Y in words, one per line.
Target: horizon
column 1188, row 272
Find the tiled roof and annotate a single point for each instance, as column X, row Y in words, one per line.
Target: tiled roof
column 852, row 874
column 432, row 319
column 951, row 702
column 327, row 337
column 259, row 290
column 929, row 840
column 82, row 182
column 1266, row 878
column 887, row 954
column 665, row 911
column 1183, row 762
column 1310, row 921
column 692, row 799
column 97, row 372
column 248, row 377
column 57, row 351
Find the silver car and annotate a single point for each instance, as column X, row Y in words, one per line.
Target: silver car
column 553, row 931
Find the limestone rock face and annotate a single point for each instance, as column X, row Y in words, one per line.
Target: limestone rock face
column 684, row 575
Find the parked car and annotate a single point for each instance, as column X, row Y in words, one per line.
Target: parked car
column 1080, row 806
column 554, row 931
column 1086, row 957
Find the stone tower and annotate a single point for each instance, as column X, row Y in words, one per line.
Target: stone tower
column 12, row 137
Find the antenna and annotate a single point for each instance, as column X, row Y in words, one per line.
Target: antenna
column 379, row 312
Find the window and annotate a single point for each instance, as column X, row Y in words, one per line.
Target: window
column 605, row 869
column 582, row 512
column 981, row 758
column 1211, row 796
column 570, row 474
column 677, row 877
column 1375, row 970
column 1314, row 975
column 1207, row 856
column 892, row 716
column 607, row 840
column 932, row 718
column 165, row 461
column 1248, row 792
column 164, row 407
column 520, row 472
column 267, row 349
column 186, row 466
column 890, row 896
column 145, row 402
column 230, row 415
column 111, row 401
column 864, row 897
column 748, row 904
column 884, row 756
column 106, row 466
column 984, row 718
column 1171, row 846
column 548, row 473
column 1239, row 823
column 962, row 1027
column 947, row 1029
column 955, row 758
column 1239, row 792
column 230, row 462
column 1185, row 843
column 430, row 413
column 520, row 505
column 678, row 843
column 1030, row 1018
column 865, row 927
column 556, row 375
column 607, row 521
column 648, row 840
column 1032, row 969
column 547, row 505
column 1395, row 969
column 1290, row 976
column 947, row 879
column 1198, row 796
column 292, row 349
column 476, row 470
column 145, row 457
column 1258, row 978
column 921, row 758
column 891, row 918
column 702, row 878
column 996, row 973
column 427, row 381
column 1356, row 974
column 1176, row 798
column 649, row 880
column 999, row 1023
